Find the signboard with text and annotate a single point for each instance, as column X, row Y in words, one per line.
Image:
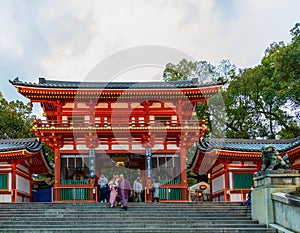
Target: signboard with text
column 149, row 162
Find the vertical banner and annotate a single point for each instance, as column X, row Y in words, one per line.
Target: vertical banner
column 149, row 162
column 92, row 162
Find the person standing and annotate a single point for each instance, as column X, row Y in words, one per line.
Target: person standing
column 124, row 190
column 138, row 188
column 113, row 185
column 155, row 187
column 102, row 186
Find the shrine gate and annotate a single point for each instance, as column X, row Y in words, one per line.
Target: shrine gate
column 95, row 127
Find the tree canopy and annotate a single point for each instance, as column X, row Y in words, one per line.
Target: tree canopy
column 259, row 102
column 16, row 119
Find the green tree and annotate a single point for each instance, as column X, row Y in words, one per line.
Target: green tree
column 264, row 101
column 182, row 71
column 287, row 71
column 16, row 119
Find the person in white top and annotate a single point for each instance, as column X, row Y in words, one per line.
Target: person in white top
column 102, row 186
column 138, row 188
column 155, row 187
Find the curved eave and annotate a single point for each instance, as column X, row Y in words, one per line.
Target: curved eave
column 39, row 164
column 195, row 94
column 56, row 84
column 37, row 160
column 220, row 154
column 12, row 155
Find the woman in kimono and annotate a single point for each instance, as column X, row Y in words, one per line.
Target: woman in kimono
column 113, row 185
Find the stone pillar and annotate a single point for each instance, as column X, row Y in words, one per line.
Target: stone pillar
column 273, row 181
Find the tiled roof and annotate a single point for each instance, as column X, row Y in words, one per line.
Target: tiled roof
column 44, row 83
column 247, row 145
column 29, row 144
column 243, row 145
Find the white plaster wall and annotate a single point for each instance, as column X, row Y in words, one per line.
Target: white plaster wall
column 81, row 147
column 172, row 146
column 102, row 147
column 218, row 184
column 235, row 197
column 120, row 147
column 9, row 181
column 250, row 163
column 137, row 147
column 217, row 168
column 67, row 147
column 230, row 181
column 158, row 147
column 24, row 169
column 23, row 184
column 5, row 198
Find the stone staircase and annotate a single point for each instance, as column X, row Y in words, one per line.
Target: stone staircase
column 140, row 217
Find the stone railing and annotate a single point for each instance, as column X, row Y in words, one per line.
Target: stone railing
column 286, row 212
column 271, row 205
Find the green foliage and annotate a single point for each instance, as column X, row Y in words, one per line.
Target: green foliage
column 16, row 119
column 262, row 101
column 193, row 178
column 182, row 71
column 202, row 70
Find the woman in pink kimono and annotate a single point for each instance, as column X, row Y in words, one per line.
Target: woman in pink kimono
column 113, row 185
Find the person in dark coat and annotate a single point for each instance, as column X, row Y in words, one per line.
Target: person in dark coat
column 124, row 190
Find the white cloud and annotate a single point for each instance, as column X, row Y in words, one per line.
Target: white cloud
column 66, row 39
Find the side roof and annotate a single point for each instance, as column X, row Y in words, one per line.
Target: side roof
column 241, row 148
column 29, row 144
column 44, row 83
column 252, row 145
column 32, row 147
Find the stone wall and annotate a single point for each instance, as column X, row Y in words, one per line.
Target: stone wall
column 286, row 212
column 272, row 182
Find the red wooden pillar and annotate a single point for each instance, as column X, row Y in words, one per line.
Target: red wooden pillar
column 14, row 182
column 183, row 177
column 57, row 166
column 56, row 194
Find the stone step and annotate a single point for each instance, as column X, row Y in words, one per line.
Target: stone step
column 133, row 207
column 140, row 217
column 125, row 225
column 140, row 204
column 121, row 218
column 121, row 213
column 20, row 221
column 129, row 230
column 107, row 209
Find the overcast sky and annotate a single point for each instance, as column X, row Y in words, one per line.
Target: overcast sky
column 65, row 39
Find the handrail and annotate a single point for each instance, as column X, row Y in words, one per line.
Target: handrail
column 119, row 123
column 170, row 192
column 74, row 193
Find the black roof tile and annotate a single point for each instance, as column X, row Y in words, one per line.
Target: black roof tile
column 44, row 83
column 247, row 145
column 30, row 144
